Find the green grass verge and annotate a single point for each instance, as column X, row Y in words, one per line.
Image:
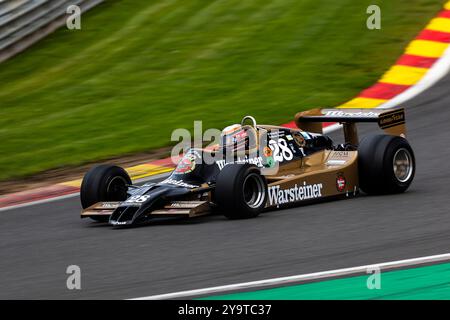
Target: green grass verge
column 423, row 283
column 139, row 69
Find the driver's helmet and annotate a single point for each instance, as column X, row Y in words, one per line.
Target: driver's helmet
column 237, row 137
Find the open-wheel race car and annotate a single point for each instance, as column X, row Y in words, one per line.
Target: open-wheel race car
column 261, row 167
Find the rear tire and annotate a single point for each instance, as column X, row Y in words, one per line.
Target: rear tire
column 241, row 191
column 386, row 164
column 104, row 183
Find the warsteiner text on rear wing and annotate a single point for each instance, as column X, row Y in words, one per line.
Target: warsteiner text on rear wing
column 392, row 121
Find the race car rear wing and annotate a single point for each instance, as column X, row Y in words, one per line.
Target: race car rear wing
column 392, row 121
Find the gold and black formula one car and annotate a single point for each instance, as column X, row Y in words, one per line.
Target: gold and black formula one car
column 262, row 167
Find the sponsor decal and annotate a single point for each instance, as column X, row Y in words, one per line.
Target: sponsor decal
column 300, row 140
column 360, row 114
column 118, row 222
column 338, row 158
column 109, row 205
column 341, row 183
column 339, row 154
column 336, row 162
column 267, row 152
column 391, row 119
column 178, row 183
column 258, row 161
column 278, row 196
column 270, row 162
column 289, row 137
column 276, row 134
column 176, row 205
column 186, row 165
column 184, row 204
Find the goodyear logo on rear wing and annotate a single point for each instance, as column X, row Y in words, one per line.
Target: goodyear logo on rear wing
column 391, row 119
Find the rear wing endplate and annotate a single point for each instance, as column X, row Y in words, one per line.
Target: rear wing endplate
column 392, row 121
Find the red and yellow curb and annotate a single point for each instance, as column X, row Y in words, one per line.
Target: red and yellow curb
column 419, row 56
column 73, row 186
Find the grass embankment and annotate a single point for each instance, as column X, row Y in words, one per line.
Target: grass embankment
column 138, row 69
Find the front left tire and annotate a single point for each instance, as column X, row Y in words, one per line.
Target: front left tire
column 241, row 191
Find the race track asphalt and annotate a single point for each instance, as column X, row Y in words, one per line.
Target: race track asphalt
column 37, row 243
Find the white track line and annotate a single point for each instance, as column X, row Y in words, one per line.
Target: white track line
column 298, row 278
column 27, row 204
